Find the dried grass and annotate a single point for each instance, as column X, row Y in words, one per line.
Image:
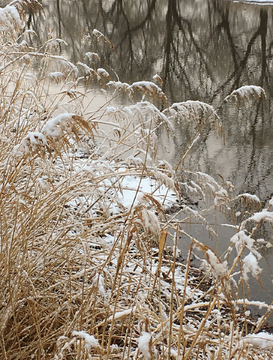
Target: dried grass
column 84, row 276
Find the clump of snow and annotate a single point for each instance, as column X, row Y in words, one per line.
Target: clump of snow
column 31, row 142
column 92, row 55
column 144, row 344
column 244, row 92
column 189, row 105
column 97, row 33
column 90, row 340
column 259, row 304
column 56, row 76
column 10, row 19
column 55, row 127
column 250, row 197
column 220, row 269
column 262, row 340
column 121, row 314
column 99, row 279
column 111, row 109
column 241, row 240
column 250, row 264
column 146, row 85
column 118, row 85
column 103, row 72
column 263, row 215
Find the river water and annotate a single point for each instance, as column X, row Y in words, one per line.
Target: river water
column 203, row 50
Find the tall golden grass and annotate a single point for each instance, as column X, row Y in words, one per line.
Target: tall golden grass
column 85, row 275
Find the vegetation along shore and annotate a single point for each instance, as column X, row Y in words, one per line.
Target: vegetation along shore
column 92, row 218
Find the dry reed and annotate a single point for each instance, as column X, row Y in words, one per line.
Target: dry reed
column 85, row 274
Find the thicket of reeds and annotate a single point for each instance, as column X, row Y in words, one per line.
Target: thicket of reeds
column 88, row 250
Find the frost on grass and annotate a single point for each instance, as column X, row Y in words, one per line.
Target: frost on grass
column 101, row 37
column 138, row 111
column 103, row 72
column 92, row 56
column 190, row 110
column 151, row 222
column 121, row 314
column 250, row 261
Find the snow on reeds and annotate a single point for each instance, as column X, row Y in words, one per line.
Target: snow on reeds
column 87, row 231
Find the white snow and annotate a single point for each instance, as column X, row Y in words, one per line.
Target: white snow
column 56, row 76
column 103, row 72
column 259, row 304
column 147, row 186
column 90, row 340
column 147, row 85
column 9, row 18
column 250, row 264
column 92, row 55
column 262, row 340
column 263, row 215
column 121, row 314
column 250, row 197
column 56, row 126
column 143, row 344
column 97, row 33
column 219, row 268
column 242, row 240
column 247, row 90
column 29, row 143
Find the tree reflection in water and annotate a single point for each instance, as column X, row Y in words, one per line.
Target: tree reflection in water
column 202, row 50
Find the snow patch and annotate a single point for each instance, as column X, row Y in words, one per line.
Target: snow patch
column 144, row 343
column 90, row 340
column 262, row 340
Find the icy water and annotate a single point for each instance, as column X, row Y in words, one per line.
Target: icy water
column 202, row 50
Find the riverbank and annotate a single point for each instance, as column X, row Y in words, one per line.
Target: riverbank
column 89, row 255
